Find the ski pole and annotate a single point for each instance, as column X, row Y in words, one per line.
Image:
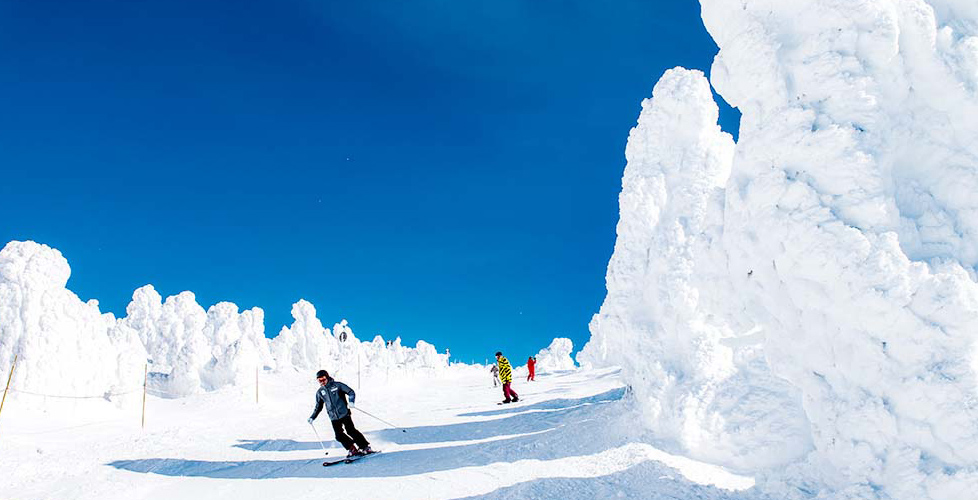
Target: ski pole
column 319, row 438
column 378, row 418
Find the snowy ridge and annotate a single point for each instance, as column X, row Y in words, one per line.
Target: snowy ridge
column 838, row 256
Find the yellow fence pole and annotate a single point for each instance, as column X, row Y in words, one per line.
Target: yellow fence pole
column 145, row 379
column 9, row 378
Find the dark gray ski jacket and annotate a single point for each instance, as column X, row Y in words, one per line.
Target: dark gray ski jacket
column 333, row 396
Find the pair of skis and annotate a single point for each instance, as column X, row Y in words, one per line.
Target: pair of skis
column 348, row 460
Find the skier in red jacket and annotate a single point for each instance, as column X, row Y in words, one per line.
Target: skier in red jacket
column 531, row 365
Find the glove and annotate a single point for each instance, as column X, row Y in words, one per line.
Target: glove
column 309, row 420
column 353, row 404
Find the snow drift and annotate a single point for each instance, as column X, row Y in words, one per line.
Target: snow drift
column 841, row 257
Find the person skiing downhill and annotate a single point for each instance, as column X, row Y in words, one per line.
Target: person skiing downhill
column 333, row 395
column 495, row 375
column 506, row 377
column 531, row 364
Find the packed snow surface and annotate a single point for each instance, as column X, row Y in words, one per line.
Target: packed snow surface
column 567, row 439
column 803, row 304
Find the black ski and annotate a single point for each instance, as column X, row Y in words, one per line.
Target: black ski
column 348, row 460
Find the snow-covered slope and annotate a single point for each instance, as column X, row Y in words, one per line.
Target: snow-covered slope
column 839, row 255
column 564, row 441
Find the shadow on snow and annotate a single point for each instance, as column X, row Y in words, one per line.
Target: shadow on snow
column 574, row 427
column 552, row 404
column 647, row 481
column 277, row 445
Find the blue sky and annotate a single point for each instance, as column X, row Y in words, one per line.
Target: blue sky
column 439, row 170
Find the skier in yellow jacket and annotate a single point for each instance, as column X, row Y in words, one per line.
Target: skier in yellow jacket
column 506, row 377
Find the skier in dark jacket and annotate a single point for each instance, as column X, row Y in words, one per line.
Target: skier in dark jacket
column 332, row 395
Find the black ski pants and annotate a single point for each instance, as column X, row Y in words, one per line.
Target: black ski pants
column 351, row 436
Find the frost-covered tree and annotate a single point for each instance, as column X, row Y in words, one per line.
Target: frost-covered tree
column 555, row 357
column 64, row 346
column 843, row 250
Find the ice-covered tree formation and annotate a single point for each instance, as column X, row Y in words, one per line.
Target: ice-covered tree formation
column 668, row 319
column 63, row 345
column 847, row 242
column 67, row 347
column 196, row 350
column 555, row 357
column 308, row 346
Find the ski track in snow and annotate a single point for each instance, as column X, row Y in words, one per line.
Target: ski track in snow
column 568, row 439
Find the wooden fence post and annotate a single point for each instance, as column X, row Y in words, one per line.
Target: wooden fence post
column 9, row 378
column 145, row 380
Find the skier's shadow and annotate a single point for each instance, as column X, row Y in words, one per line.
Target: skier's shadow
column 533, row 435
column 276, row 445
column 522, row 419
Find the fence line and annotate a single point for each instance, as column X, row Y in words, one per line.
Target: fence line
column 147, row 390
column 144, row 388
column 230, row 388
column 58, row 396
column 60, row 429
